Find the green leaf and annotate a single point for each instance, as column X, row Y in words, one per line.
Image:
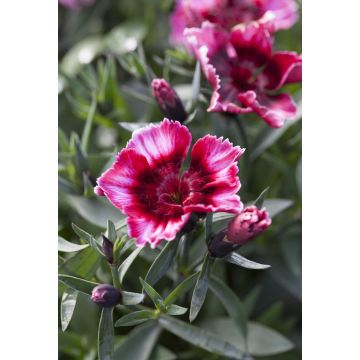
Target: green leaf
column 196, row 85
column 135, row 318
column 106, row 335
column 200, row 289
column 176, row 310
column 162, row 353
column 276, row 206
column 235, row 258
column 139, row 344
column 88, row 125
column 262, row 341
column 182, row 288
column 94, row 210
column 67, row 246
column 85, row 236
column 199, row 337
column 111, row 231
column 233, row 306
column 124, row 267
column 162, row 263
column 268, row 137
column 131, row 298
column 259, row 202
column 250, row 300
column 83, row 264
column 153, row 294
column 78, row 284
column 208, row 226
column 67, row 307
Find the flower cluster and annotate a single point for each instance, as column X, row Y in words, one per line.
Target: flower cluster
column 233, row 41
column 145, row 182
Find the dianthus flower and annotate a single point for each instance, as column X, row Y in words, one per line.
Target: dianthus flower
column 227, row 13
column 244, row 72
column 145, row 183
column 76, row 4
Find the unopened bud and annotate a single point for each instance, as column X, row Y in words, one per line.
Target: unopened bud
column 168, row 100
column 107, row 248
column 241, row 229
column 249, row 223
column 106, row 295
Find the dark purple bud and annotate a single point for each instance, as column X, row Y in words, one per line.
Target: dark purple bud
column 219, row 246
column 107, row 248
column 106, row 295
column 168, row 100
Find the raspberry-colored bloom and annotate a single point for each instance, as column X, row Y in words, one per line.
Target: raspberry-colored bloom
column 228, row 13
column 76, row 4
column 244, row 72
column 145, row 183
column 248, row 224
column 168, row 100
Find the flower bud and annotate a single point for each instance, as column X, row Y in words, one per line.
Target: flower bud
column 107, row 248
column 106, row 295
column 168, row 100
column 247, row 225
column 241, row 229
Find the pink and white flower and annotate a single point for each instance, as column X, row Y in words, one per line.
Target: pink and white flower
column 227, row 13
column 244, row 72
column 145, row 182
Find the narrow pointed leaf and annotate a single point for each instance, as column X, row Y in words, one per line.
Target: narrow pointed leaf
column 153, row 294
column 131, row 298
column 181, row 289
column 135, row 318
column 176, row 310
column 67, row 246
column 259, row 202
column 162, row 263
column 85, row 236
column 111, row 231
column 124, row 267
column 233, row 306
column 106, row 335
column 196, row 85
column 199, row 337
column 78, row 284
column 68, row 303
column 200, row 289
column 239, row 260
column 276, row 206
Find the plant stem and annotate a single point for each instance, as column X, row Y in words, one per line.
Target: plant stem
column 115, row 277
column 239, row 124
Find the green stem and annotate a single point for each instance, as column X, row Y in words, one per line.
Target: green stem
column 115, row 277
column 88, row 125
column 239, row 124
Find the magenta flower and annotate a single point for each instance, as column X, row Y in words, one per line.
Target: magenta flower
column 145, row 183
column 76, row 4
column 168, row 100
column 248, row 224
column 227, row 13
column 244, row 72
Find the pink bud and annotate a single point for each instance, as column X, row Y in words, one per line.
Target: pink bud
column 168, row 100
column 249, row 223
column 106, row 295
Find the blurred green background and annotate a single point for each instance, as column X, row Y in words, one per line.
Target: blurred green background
column 108, row 53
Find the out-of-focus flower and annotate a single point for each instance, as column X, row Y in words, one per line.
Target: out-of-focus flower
column 145, row 183
column 244, row 72
column 76, row 4
column 248, row 224
column 107, row 248
column 228, row 13
column 168, row 100
column 106, row 295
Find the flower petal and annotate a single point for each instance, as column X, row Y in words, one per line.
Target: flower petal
column 284, row 67
column 252, row 43
column 124, row 182
column 211, row 183
column 274, row 109
column 164, row 144
column 154, row 229
column 285, row 12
